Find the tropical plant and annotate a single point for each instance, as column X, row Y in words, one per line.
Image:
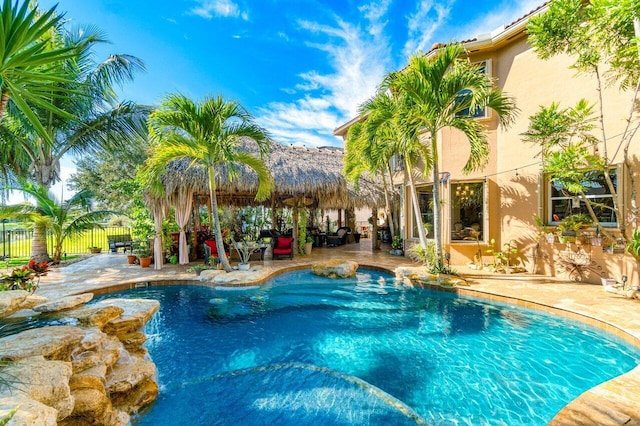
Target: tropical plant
column 32, row 71
column 303, row 219
column 446, row 90
column 97, row 123
column 369, row 148
column 24, row 278
column 396, row 243
column 600, row 36
column 198, row 267
column 63, row 219
column 208, row 134
column 574, row 223
column 633, row 246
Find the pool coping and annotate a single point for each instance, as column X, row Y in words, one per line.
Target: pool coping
column 612, row 402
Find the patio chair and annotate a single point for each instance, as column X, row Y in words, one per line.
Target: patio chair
column 211, row 249
column 339, row 238
column 283, row 247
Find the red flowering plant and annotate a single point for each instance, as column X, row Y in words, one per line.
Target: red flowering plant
column 25, row 278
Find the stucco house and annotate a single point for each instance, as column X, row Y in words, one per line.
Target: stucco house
column 501, row 201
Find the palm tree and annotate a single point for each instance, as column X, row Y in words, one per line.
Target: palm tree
column 445, row 90
column 208, row 134
column 368, row 150
column 31, row 66
column 383, row 136
column 64, row 219
column 97, row 122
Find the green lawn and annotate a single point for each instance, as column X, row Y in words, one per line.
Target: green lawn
column 17, row 243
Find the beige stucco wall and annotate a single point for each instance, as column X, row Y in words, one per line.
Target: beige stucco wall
column 515, row 195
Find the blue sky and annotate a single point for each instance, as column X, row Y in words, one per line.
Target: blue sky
column 301, row 67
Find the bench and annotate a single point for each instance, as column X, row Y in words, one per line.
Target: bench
column 122, row 241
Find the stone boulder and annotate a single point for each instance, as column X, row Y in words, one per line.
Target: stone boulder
column 21, row 315
column 136, row 313
column 64, row 303
column 127, row 373
column 93, row 316
column 10, row 301
column 93, row 405
column 420, row 274
column 255, row 275
column 132, row 401
column 210, row 274
column 96, row 348
column 54, row 343
column 43, row 381
column 33, row 300
column 28, row 413
column 335, row 268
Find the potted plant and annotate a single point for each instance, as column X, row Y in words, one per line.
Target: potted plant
column 144, row 255
column 396, row 245
column 570, row 225
column 131, row 258
column 244, row 249
column 95, row 249
column 308, row 245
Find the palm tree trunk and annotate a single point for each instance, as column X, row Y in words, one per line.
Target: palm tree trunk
column 387, row 207
column 437, row 231
column 416, row 206
column 39, row 243
column 224, row 261
column 4, row 100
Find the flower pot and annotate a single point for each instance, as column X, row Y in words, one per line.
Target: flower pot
column 95, row 250
column 244, row 266
column 145, row 262
column 550, row 238
column 131, row 258
column 307, row 248
column 596, row 241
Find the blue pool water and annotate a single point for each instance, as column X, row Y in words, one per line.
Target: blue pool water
column 308, row 350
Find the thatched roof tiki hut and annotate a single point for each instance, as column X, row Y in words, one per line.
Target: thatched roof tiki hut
column 303, row 177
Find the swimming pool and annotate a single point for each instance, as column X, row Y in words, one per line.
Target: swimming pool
column 308, row 350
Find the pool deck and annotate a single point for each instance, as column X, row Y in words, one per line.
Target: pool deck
column 616, row 402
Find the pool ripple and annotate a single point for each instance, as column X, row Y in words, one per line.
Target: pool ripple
column 288, row 394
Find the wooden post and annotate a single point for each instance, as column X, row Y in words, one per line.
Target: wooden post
column 374, row 229
column 294, row 233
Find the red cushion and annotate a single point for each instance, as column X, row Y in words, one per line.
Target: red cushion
column 282, row 251
column 214, row 248
column 283, row 243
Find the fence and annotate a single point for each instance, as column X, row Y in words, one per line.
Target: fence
column 17, row 242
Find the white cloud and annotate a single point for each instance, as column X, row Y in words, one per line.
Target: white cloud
column 428, row 18
column 218, row 8
column 359, row 56
column 486, row 22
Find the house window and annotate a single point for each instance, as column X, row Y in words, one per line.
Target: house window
column 563, row 203
column 485, row 67
column 467, row 211
column 425, row 200
column 397, row 162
